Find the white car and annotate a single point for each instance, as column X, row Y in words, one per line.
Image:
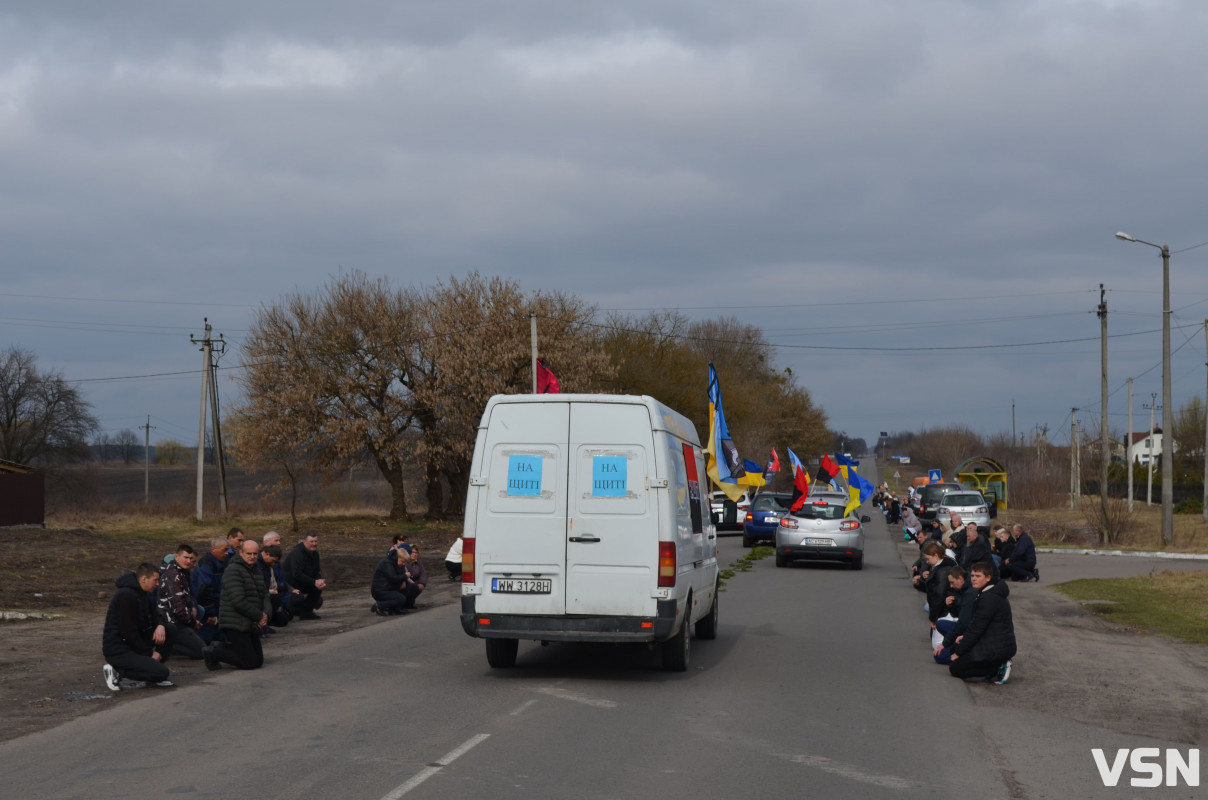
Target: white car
column 969, row 504
column 727, row 514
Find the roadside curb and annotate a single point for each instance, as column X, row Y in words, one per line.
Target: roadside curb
column 1134, row 553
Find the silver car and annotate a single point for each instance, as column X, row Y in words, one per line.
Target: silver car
column 969, row 504
column 821, row 530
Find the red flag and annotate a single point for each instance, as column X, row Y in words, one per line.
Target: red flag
column 547, row 382
column 774, row 464
column 801, row 484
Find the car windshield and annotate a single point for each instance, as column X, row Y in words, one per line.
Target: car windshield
column 954, row 499
column 766, row 502
column 821, row 511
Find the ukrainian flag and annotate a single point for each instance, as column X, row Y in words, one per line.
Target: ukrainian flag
column 722, row 463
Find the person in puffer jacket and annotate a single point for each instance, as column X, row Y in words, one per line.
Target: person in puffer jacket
column 986, row 648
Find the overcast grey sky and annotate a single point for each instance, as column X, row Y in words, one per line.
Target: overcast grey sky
column 877, row 175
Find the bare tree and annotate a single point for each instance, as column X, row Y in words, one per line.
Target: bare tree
column 170, row 451
column 42, row 417
column 127, row 443
column 101, row 445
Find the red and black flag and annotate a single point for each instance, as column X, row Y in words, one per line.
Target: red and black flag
column 827, row 470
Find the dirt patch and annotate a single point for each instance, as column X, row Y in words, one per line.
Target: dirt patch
column 50, row 663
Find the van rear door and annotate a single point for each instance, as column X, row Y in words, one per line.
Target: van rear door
column 521, row 528
column 612, row 530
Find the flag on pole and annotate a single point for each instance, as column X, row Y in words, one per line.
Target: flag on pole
column 859, row 487
column 754, row 476
column 801, row 482
column 844, row 461
column 721, row 456
column 827, row 470
column 774, row 464
column 547, row 382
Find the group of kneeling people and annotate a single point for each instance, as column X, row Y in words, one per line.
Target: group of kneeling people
column 972, row 630
column 217, row 607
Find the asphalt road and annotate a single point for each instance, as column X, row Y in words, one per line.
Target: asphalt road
column 817, row 686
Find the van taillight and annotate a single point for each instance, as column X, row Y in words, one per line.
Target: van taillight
column 467, row 560
column 666, row 563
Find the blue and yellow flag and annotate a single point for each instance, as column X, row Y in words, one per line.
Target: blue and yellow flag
column 722, row 462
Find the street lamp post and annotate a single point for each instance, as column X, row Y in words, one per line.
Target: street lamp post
column 1167, row 406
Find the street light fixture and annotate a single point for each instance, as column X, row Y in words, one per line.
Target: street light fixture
column 1167, row 406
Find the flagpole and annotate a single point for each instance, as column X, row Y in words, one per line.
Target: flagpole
column 533, row 340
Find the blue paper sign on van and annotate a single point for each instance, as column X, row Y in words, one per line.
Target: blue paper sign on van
column 587, row 520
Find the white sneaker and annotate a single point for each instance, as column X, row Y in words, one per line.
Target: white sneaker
column 112, row 679
column 1004, row 673
column 165, row 683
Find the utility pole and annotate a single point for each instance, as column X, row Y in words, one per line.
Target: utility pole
column 219, row 456
column 1073, row 455
column 533, row 340
column 147, row 461
column 1104, row 453
column 1012, row 420
column 1153, row 399
column 209, row 396
column 201, row 426
column 1205, row 503
column 1129, row 448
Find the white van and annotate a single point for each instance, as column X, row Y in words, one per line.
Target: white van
column 587, row 521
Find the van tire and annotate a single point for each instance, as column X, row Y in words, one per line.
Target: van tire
column 858, row 563
column 747, row 541
column 677, row 649
column 781, row 561
column 501, row 653
column 706, row 626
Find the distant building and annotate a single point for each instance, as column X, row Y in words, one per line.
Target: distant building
column 22, row 495
column 1147, row 445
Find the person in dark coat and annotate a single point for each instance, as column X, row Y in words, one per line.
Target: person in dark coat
column 959, row 602
column 987, row 646
column 243, row 613
column 136, row 641
column 939, row 562
column 389, row 580
column 207, row 587
column 975, row 550
column 304, row 574
column 1001, row 546
column 278, row 588
column 1021, row 564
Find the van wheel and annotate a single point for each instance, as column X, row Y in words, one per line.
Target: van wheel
column 858, row 563
column 781, row 561
column 747, row 541
column 706, row 627
column 676, row 650
column 501, row 653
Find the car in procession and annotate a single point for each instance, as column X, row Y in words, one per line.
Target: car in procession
column 821, row 530
column 764, row 517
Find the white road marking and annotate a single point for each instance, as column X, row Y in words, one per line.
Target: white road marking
column 388, row 663
column 574, row 697
column 438, row 765
column 850, row 771
column 523, row 707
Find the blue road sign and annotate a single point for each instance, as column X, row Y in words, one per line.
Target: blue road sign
column 933, row 475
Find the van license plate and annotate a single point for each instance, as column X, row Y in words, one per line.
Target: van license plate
column 522, row 585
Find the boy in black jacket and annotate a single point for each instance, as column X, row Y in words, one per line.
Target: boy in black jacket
column 136, row 641
column 988, row 644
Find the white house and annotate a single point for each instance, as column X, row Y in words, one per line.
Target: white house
column 1147, row 445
